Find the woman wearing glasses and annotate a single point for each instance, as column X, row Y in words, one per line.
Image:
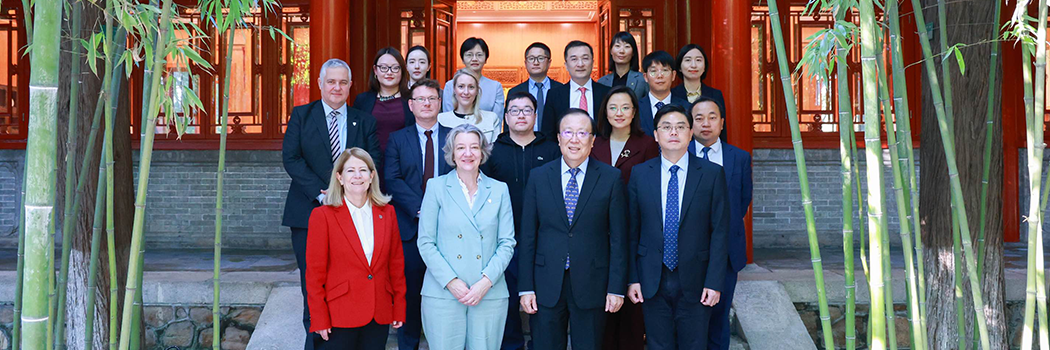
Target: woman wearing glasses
column 466, row 106
column 417, row 62
column 623, row 65
column 475, row 52
column 386, row 98
column 621, row 143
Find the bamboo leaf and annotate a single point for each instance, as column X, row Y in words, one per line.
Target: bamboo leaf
column 195, row 57
column 962, row 63
column 191, row 97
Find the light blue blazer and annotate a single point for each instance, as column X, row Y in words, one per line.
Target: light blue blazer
column 635, row 81
column 457, row 241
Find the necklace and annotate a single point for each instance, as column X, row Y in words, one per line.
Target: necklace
column 382, row 98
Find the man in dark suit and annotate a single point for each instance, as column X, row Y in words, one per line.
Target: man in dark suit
column 317, row 133
column 708, row 123
column 413, row 156
column 678, row 238
column 581, row 92
column 658, row 67
column 515, row 153
column 572, row 250
column 537, row 63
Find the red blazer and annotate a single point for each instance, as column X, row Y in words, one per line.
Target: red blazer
column 342, row 290
column 638, row 149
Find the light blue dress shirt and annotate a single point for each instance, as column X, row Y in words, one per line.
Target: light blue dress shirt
column 423, row 146
column 536, row 94
column 665, row 177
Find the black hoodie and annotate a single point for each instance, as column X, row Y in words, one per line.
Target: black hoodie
column 511, row 164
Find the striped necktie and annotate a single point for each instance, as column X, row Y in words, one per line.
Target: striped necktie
column 333, row 134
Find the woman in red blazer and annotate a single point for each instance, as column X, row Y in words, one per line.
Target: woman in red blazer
column 621, row 141
column 355, row 277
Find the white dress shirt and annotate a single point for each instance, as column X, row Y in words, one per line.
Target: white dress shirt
column 665, row 178
column 341, row 124
column 566, row 175
column 423, row 146
column 466, row 193
column 714, row 155
column 653, row 101
column 574, row 96
column 362, row 218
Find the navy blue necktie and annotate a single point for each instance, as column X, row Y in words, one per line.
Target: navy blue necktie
column 659, row 105
column 705, row 150
column 540, row 97
column 671, row 221
column 572, row 194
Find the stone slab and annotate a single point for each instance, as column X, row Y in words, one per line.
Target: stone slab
column 768, row 319
column 280, row 325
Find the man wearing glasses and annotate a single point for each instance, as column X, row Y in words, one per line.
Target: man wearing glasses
column 678, row 237
column 658, row 67
column 581, row 92
column 573, row 249
column 515, row 153
column 413, row 156
column 537, row 63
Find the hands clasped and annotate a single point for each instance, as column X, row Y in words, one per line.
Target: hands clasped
column 469, row 296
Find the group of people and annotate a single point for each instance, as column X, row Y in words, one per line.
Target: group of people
column 446, row 211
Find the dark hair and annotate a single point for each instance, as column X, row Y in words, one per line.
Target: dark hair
column 685, row 50
column 517, row 95
column 577, row 43
column 572, row 111
column 546, row 49
column 425, row 53
column 373, row 81
column 604, row 127
column 701, row 99
column 671, row 108
column 426, row 83
column 659, row 57
column 472, row 42
column 628, row 39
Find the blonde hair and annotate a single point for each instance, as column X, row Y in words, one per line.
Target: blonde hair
column 335, row 189
column 477, row 83
column 450, row 143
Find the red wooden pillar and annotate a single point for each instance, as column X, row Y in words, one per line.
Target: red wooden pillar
column 1013, row 136
column 329, row 26
column 731, row 72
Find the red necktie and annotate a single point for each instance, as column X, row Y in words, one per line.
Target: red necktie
column 428, row 160
column 583, row 98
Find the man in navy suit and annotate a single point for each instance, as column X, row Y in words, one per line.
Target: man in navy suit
column 678, row 237
column 708, row 123
column 573, row 251
column 413, row 156
column 658, row 67
column 537, row 63
column 317, row 133
column 581, row 92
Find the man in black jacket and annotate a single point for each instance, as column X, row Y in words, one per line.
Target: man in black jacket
column 514, row 154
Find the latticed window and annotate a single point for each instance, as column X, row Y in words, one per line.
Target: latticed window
column 639, row 22
column 13, row 120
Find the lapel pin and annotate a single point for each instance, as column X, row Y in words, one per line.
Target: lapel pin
column 490, row 200
column 626, row 153
column 354, row 123
column 380, row 216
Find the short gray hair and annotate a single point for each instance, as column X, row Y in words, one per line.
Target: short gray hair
column 450, row 143
column 335, row 62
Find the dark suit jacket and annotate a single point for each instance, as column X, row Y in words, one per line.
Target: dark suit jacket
column 736, row 163
column 558, row 102
column 307, row 155
column 403, row 175
column 524, row 86
column 702, row 231
column 367, row 100
column 638, row 149
column 595, row 242
column 645, row 112
column 715, row 94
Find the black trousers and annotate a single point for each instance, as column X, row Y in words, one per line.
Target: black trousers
column 299, row 246
column 513, row 334
column 408, row 335
column 551, row 329
column 371, row 336
column 625, row 330
column 673, row 322
column 718, row 333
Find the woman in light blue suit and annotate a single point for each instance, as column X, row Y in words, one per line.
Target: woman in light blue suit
column 466, row 239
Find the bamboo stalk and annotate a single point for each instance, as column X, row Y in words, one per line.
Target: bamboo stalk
column 145, row 157
column 16, row 327
column 845, row 111
column 1031, row 135
column 960, row 303
column 873, row 162
column 41, row 148
column 219, row 182
column 96, row 243
column 1038, row 105
column 107, row 141
column 953, row 175
column 989, row 122
column 800, row 163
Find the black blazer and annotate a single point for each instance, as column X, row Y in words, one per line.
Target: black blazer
column 595, row 242
column 702, row 231
column 365, row 101
column 307, row 156
column 646, row 114
column 524, row 86
column 705, row 90
column 558, row 102
column 403, row 175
